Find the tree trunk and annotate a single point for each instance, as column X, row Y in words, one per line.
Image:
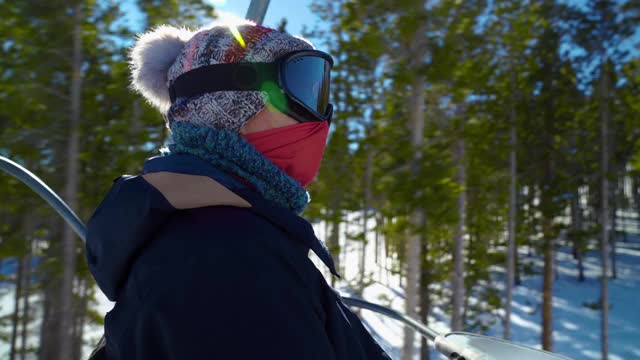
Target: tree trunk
column 612, row 247
column 26, row 287
column 511, row 240
column 376, row 240
column 465, row 303
column 635, row 192
column 614, row 263
column 363, row 254
column 49, row 346
column 334, row 240
column 135, row 129
column 576, row 226
column 556, row 272
column 546, row 183
column 612, row 233
column 547, row 287
column 518, row 278
column 581, row 265
column 425, row 302
column 79, row 319
column 381, row 256
column 368, row 181
column 15, row 317
column 325, row 233
column 413, row 246
column 604, row 240
column 26, row 316
column 70, row 191
column 457, row 283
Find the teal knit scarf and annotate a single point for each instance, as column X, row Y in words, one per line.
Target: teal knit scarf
column 233, row 154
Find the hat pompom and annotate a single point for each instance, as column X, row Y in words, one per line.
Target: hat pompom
column 150, row 59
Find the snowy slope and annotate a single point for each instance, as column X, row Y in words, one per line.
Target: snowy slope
column 576, row 327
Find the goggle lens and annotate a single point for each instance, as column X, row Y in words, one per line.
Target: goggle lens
column 307, row 79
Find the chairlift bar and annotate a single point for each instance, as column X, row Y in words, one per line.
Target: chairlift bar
column 257, row 11
column 415, row 325
column 37, row 185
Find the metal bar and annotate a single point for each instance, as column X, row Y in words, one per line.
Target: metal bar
column 416, row 325
column 257, row 11
column 37, row 185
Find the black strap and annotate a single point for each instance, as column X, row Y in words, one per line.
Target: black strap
column 223, row 77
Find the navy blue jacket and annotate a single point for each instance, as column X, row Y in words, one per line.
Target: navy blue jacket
column 202, row 267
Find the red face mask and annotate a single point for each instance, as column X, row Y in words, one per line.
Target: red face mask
column 295, row 149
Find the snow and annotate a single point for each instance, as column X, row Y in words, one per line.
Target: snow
column 576, row 327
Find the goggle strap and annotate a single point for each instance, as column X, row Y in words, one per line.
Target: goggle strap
column 223, row 77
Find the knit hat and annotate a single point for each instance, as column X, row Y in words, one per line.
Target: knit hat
column 161, row 55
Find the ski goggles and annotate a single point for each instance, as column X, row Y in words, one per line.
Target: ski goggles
column 297, row 84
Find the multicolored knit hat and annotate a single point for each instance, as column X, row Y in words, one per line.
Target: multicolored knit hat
column 163, row 54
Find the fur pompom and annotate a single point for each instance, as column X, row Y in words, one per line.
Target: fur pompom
column 150, row 59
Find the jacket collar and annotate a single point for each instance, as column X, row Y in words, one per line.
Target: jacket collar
column 187, row 181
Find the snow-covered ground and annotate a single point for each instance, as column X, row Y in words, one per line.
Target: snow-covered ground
column 576, row 327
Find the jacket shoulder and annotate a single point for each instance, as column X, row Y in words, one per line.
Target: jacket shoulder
column 120, row 227
column 225, row 245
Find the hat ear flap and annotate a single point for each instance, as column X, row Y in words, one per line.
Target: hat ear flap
column 150, row 58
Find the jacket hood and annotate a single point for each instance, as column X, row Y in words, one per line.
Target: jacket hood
column 136, row 207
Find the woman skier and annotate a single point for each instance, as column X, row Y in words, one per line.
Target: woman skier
column 205, row 252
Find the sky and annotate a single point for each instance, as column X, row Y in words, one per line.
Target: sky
column 297, row 12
